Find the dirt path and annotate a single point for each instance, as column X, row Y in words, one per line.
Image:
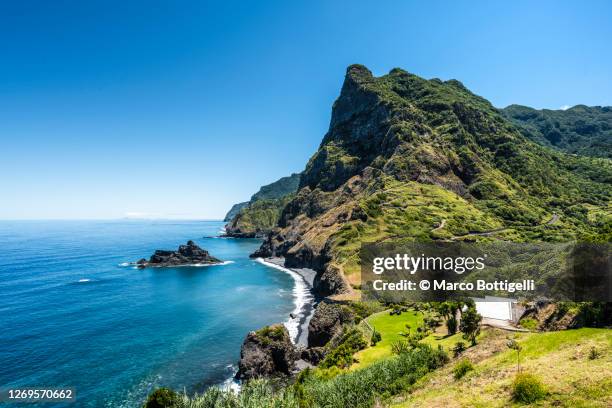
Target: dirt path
column 439, row 227
column 553, row 220
column 500, row 324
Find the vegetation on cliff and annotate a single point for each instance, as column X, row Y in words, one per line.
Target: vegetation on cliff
column 407, row 158
column 260, row 214
column 581, row 129
column 266, row 353
column 358, row 389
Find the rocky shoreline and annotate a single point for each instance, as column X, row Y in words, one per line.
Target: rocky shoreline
column 306, row 298
column 282, row 349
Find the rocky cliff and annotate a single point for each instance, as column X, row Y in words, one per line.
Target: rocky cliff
column 256, row 217
column 267, row 352
column 327, row 323
column 409, row 158
column 234, row 211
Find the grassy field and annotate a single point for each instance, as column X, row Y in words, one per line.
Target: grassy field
column 562, row 360
column 391, row 327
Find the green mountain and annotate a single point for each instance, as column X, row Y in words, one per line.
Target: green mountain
column 235, row 210
column 581, row 130
column 407, row 158
column 260, row 214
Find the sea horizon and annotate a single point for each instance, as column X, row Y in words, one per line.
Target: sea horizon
column 75, row 311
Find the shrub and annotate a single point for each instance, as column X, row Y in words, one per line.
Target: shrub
column 342, row 356
column 431, row 321
column 396, row 311
column 161, row 398
column 527, row 388
column 470, row 324
column 361, row 310
column 459, row 348
column 381, row 380
column 462, row 368
column 594, row 354
column 400, row 347
column 529, row 323
column 270, row 334
column 331, row 388
column 376, row 337
column 451, row 325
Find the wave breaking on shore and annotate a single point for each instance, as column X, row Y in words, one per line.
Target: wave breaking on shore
column 304, row 300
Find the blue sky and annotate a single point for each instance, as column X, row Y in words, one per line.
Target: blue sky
column 179, row 109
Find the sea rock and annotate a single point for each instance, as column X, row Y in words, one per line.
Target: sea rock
column 327, row 322
column 267, row 352
column 189, row 254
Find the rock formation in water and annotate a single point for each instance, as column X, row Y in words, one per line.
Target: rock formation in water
column 267, row 352
column 189, row 254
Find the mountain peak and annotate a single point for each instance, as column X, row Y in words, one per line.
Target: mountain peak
column 358, row 72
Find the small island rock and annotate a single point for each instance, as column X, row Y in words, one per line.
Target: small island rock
column 189, row 254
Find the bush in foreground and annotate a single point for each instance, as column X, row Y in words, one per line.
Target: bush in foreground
column 363, row 388
column 161, row 398
column 458, row 349
column 470, row 324
column 356, row 389
column 462, row 368
column 527, row 388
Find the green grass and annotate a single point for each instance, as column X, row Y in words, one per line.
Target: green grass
column 529, row 324
column 408, row 210
column 559, row 359
column 462, row 368
column 389, row 328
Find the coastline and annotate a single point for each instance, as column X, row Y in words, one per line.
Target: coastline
column 304, row 299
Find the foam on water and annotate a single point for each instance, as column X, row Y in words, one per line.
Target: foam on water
column 302, row 296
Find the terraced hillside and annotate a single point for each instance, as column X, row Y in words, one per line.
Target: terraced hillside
column 407, row 158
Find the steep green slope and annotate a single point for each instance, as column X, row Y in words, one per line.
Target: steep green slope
column 409, row 158
column 260, row 214
column 257, row 218
column 563, row 361
column 581, row 130
column 279, row 189
column 235, row 210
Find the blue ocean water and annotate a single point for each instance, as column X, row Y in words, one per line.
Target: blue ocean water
column 72, row 315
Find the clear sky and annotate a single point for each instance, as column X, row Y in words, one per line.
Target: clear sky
column 181, row 108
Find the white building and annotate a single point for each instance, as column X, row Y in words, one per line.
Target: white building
column 499, row 308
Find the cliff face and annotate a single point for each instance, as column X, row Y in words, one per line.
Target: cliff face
column 267, row 352
column 234, row 211
column 256, row 217
column 409, row 158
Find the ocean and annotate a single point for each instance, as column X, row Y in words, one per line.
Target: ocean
column 73, row 313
